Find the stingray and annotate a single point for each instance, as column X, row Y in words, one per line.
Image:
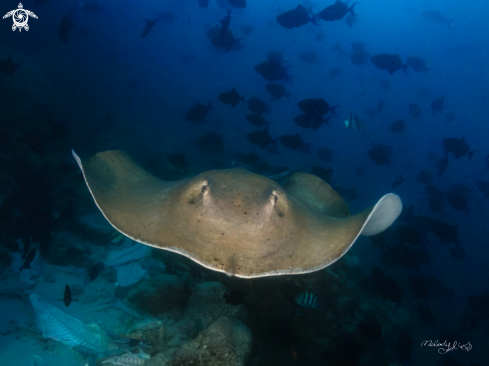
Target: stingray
column 231, row 220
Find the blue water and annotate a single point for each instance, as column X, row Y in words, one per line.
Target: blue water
column 108, row 88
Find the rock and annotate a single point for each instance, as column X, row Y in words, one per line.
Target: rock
column 226, row 342
column 157, row 294
column 206, row 305
column 159, row 359
column 182, row 332
column 93, row 227
column 50, row 279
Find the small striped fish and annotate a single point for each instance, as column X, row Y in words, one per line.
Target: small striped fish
column 354, row 122
column 309, row 300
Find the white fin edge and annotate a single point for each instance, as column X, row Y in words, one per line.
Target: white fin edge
column 384, row 213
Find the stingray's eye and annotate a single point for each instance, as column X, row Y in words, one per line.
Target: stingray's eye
column 204, row 188
column 279, row 206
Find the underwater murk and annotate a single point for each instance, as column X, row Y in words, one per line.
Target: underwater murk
column 244, row 183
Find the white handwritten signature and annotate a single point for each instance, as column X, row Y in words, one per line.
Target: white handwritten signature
column 446, row 347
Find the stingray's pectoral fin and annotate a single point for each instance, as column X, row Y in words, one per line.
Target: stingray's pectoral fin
column 383, row 214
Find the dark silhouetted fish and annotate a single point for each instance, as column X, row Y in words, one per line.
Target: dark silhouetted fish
column 256, row 119
column 391, row 63
column 251, row 158
column 64, row 28
column 260, row 138
column 316, row 107
column 398, row 182
column 149, row 26
column 222, row 37
column 231, row 97
column 380, row 154
column 95, row 270
column 457, row 197
column 238, row 4
column 337, row 11
column 484, row 187
column 277, row 90
column 424, row 177
column 398, row 126
column 92, row 7
column 198, row 112
column 436, row 16
column 203, row 3
column 211, row 144
column 442, row 164
column 437, row 105
column 359, row 56
column 247, row 30
column 458, row 147
column 414, row 110
column 67, row 296
column 258, row 106
column 435, row 199
column 294, row 142
column 324, row 154
column 308, row 120
column 351, row 19
column 295, row 18
column 8, row 67
column 417, row 64
column 324, row 174
column 273, row 69
column 309, row 58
